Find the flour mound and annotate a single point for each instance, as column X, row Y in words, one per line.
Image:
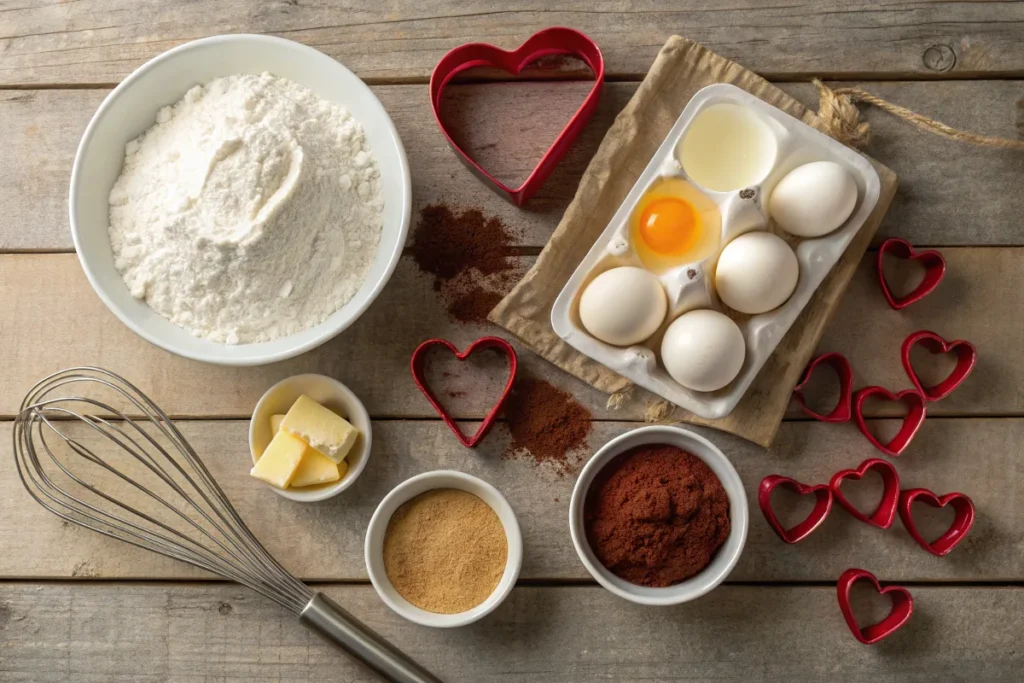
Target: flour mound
column 251, row 210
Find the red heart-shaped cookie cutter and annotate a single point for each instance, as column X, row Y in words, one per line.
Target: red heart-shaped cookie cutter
column 962, row 521
column 902, row 606
column 911, row 422
column 839, row 363
column 934, row 269
column 966, row 357
column 416, row 365
column 822, row 506
column 885, row 512
column 558, row 40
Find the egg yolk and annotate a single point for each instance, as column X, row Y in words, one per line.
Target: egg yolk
column 669, row 225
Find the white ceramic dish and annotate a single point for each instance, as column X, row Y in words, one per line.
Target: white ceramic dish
column 327, row 392
column 132, row 107
column 690, row 285
column 410, row 488
column 727, row 555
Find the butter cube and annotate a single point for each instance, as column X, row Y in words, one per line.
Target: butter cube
column 316, row 469
column 275, row 423
column 279, row 462
column 321, row 428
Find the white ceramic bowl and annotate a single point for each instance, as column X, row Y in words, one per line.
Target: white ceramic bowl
column 409, row 489
column 327, row 392
column 131, row 109
column 727, row 555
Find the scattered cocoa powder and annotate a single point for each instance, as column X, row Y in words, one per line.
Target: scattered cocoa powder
column 470, row 256
column 446, row 243
column 474, row 304
column 546, row 424
column 656, row 515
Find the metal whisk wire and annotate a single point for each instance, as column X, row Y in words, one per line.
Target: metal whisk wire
column 206, row 532
column 44, row 414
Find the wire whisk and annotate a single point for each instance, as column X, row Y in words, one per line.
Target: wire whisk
column 94, row 450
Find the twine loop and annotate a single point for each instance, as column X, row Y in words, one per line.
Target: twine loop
column 837, row 109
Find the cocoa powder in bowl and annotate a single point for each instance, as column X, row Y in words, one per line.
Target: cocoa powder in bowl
column 656, row 515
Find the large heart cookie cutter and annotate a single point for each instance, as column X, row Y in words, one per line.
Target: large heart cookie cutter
column 822, row 505
column 966, row 357
column 934, row 268
column 416, row 365
column 558, row 40
column 963, row 520
column 885, row 511
column 902, row 606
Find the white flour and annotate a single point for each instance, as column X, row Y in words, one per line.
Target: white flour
column 251, row 210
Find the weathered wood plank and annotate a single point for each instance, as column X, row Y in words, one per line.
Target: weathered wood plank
column 980, row 457
column 51, row 319
column 944, row 186
column 101, row 41
column 193, row 634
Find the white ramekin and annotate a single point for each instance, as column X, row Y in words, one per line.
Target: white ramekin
column 409, row 489
column 726, row 557
column 327, row 392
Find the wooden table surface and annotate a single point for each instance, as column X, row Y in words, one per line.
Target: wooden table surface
column 77, row 607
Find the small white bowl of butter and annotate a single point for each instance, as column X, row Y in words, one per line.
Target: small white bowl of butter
column 330, row 394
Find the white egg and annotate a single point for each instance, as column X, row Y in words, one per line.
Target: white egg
column 703, row 350
column 623, row 306
column 756, row 273
column 814, row 199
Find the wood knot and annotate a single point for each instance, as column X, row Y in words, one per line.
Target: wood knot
column 224, row 608
column 939, row 58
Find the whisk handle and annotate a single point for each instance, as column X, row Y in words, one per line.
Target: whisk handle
column 333, row 623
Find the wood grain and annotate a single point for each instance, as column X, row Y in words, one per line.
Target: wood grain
column 51, row 319
column 101, row 41
column 980, row 457
column 944, row 186
column 93, row 631
column 195, row 634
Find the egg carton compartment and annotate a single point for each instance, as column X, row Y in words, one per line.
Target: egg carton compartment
column 689, row 284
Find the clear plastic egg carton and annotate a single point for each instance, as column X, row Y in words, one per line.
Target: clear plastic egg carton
column 690, row 286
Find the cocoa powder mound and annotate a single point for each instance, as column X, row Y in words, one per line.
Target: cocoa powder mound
column 446, row 243
column 656, row 515
column 547, row 425
column 471, row 257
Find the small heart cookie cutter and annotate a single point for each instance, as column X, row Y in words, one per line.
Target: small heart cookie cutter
column 885, row 512
column 558, row 40
column 902, row 606
column 912, row 422
column 843, row 409
column 823, row 504
column 416, row 366
column 963, row 520
column 934, row 269
column 966, row 358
